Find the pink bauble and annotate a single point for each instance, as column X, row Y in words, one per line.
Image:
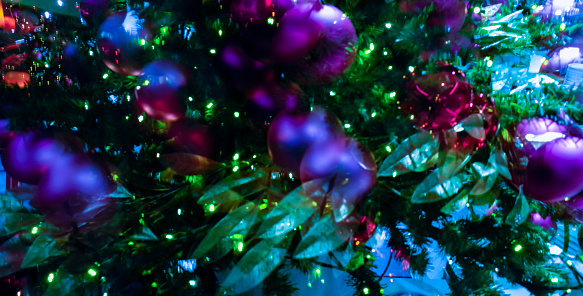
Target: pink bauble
column 72, row 175
column 162, row 102
column 343, row 168
column 555, row 171
column 119, row 42
column 258, row 11
column 27, row 156
column 289, row 136
column 437, row 102
column 483, row 105
column 319, row 40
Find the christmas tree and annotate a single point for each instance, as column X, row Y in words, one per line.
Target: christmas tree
column 290, row 147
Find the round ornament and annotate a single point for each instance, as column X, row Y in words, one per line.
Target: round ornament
column 290, row 135
column 318, row 40
column 555, row 171
column 192, row 137
column 560, row 58
column 437, row 102
column 239, row 71
column 119, row 41
column 258, row 11
column 268, row 99
column 342, row 168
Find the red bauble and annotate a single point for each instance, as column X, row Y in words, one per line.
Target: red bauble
column 471, row 137
column 289, row 136
column 555, row 171
column 318, row 39
column 27, row 156
column 437, row 102
column 119, row 42
column 239, row 71
column 343, row 168
column 258, row 11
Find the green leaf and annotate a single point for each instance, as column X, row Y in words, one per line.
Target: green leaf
column 487, row 177
column 324, row 236
column 417, row 153
column 442, row 183
column 8, row 203
column 474, row 126
column 256, row 265
column 190, row 164
column 292, row 211
column 519, row 214
column 501, row 162
column 14, row 222
column 43, row 249
column 12, row 253
column 144, row 234
column 224, row 227
column 121, row 192
column 235, row 187
column 456, row 204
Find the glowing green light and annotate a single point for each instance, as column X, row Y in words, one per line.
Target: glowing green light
column 309, row 284
column 392, row 94
column 347, row 125
column 318, row 271
column 211, row 208
column 179, row 212
column 240, row 247
column 534, row 7
column 373, row 115
column 569, row 262
column 46, row 65
column 270, row 21
column 555, row 280
column 91, row 52
column 489, row 63
column 236, row 156
column 213, row 51
column 190, row 99
column 169, row 236
column 382, row 291
column 192, row 282
column 411, row 69
column 390, row 68
column 236, row 114
column 86, row 106
column 332, row 93
column 210, row 105
column 563, row 26
column 236, row 168
column 92, row 272
column 115, row 177
column 477, row 9
column 105, row 76
column 568, row 291
column 518, row 248
column 367, row 51
column 127, row 118
column 412, row 117
column 146, row 82
column 388, row 25
column 388, row 148
column 371, row 46
column 51, row 277
column 254, row 156
column 34, row 230
column 263, row 206
column 141, row 118
column 220, row 32
column 157, row 155
column 385, row 53
column 154, row 285
column 143, row 42
column 131, row 243
column 365, row 291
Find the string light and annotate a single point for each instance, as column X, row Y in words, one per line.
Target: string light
column 236, row 156
column 388, row 25
column 211, row 208
column 555, row 280
column 34, row 230
column 51, row 277
column 169, row 236
column 477, row 9
column 365, row 291
column 92, row 272
column 236, row 114
column 213, row 51
column 517, row 248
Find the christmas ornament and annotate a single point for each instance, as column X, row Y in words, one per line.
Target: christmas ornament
column 479, row 127
column 545, row 223
column 27, row 21
column 158, row 94
column 239, row 71
column 365, row 228
column 27, row 156
column 80, row 214
column 75, row 64
column 318, row 40
column 557, row 9
column 268, row 99
column 436, row 102
column 555, row 171
column 90, row 10
column 290, row 135
column 258, row 11
column 449, row 14
column 119, row 41
column 190, row 136
column 5, row 134
column 560, row 58
column 72, row 175
column 343, row 168
column 22, row 79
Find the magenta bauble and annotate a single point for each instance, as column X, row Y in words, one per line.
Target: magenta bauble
column 342, row 168
column 555, row 171
column 473, row 137
column 164, row 72
column 319, row 40
column 436, row 102
column 289, row 136
column 239, row 71
column 162, row 102
column 190, row 136
column 28, row 156
column 119, row 41
column 269, row 99
column 258, row 11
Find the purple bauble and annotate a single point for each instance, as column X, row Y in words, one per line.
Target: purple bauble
column 69, row 176
column 533, row 133
column 91, row 9
column 27, row 157
column 164, row 72
column 162, row 102
column 343, row 168
column 289, row 136
column 267, row 100
column 437, row 102
column 239, row 71
column 560, row 58
column 555, row 171
column 5, row 134
column 319, row 40
column 119, row 42
column 258, row 11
